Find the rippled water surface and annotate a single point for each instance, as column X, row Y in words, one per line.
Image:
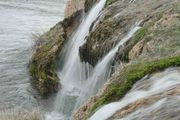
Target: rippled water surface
column 18, row 20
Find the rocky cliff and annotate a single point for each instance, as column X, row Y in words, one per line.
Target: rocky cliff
column 73, row 6
column 153, row 48
column 48, row 46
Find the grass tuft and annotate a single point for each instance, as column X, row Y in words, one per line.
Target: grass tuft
column 17, row 115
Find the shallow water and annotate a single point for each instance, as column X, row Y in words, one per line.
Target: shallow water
column 18, row 20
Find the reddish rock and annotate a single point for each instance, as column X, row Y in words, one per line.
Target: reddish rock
column 73, row 6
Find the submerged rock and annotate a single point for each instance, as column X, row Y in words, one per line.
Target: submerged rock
column 46, row 51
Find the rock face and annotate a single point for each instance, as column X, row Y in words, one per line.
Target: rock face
column 73, row 6
column 76, row 5
column 119, row 17
column 47, row 48
column 154, row 47
column 89, row 3
column 161, row 39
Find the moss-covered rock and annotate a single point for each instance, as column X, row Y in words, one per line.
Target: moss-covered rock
column 109, row 2
column 48, row 46
column 123, row 81
column 162, row 38
column 151, row 49
column 119, row 18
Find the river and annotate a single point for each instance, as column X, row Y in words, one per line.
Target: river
column 19, row 19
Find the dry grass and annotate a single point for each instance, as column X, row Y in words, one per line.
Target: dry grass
column 17, row 115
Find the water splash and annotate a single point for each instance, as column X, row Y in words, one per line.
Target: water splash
column 161, row 84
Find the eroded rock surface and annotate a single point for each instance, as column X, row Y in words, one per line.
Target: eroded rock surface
column 120, row 17
column 46, row 50
column 149, row 50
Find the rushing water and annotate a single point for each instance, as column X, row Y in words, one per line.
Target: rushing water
column 159, row 83
column 18, row 20
column 79, row 80
column 72, row 72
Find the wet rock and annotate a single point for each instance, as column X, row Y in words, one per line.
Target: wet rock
column 121, row 82
column 146, row 108
column 45, row 52
column 149, row 50
column 89, row 4
column 118, row 18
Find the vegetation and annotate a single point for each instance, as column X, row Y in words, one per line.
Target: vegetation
column 14, row 115
column 130, row 75
column 46, row 51
column 42, row 63
column 141, row 34
column 109, row 2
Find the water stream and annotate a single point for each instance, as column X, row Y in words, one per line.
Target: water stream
column 79, row 80
column 159, row 83
column 18, row 20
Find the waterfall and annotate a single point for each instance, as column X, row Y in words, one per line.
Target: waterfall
column 73, row 71
column 159, row 84
column 102, row 70
column 80, row 80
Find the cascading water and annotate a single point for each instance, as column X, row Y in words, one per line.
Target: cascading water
column 72, row 73
column 79, row 80
column 163, row 82
column 102, row 70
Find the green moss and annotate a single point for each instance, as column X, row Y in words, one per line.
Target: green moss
column 139, row 35
column 159, row 16
column 109, row 2
column 176, row 6
column 42, row 65
column 143, row 33
column 130, row 75
column 32, row 69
